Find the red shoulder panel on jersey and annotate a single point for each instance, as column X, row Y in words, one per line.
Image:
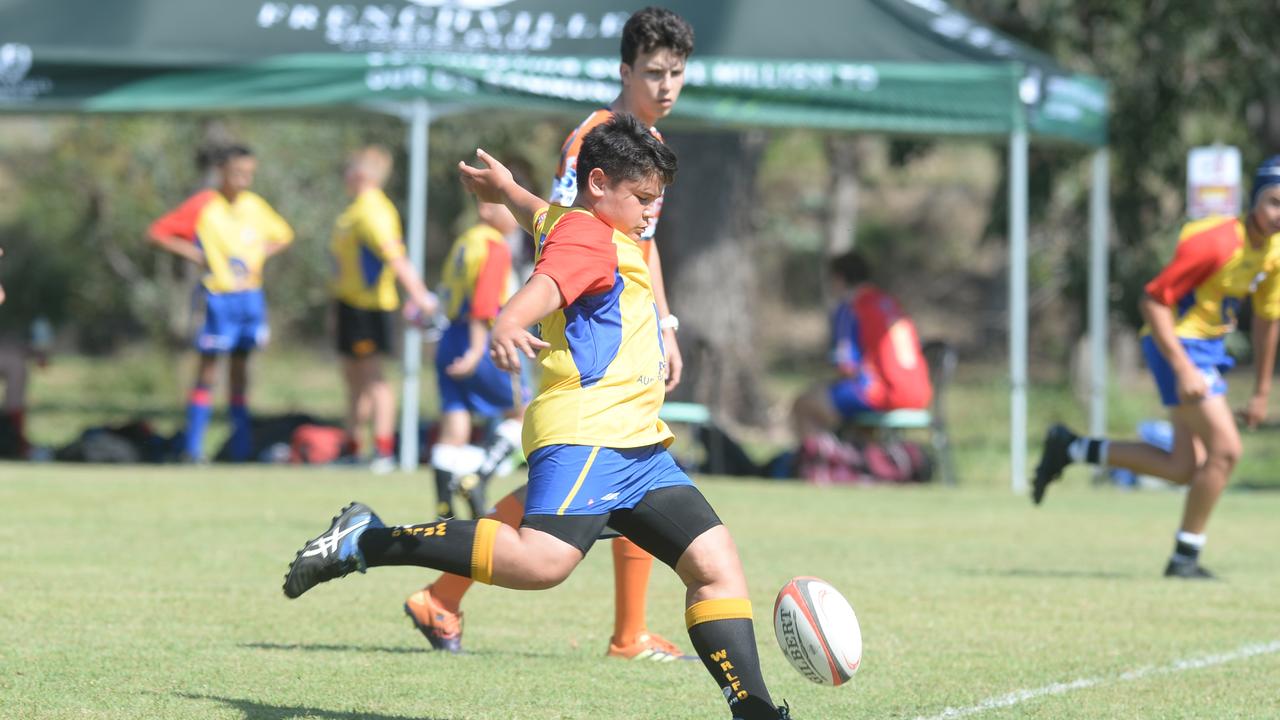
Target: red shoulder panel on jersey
column 579, row 256
column 1197, row 258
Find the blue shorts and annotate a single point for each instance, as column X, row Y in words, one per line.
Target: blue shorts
column 233, row 322
column 850, row 396
column 1209, row 356
column 489, row 391
column 584, row 480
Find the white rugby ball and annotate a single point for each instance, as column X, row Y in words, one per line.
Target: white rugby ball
column 817, row 631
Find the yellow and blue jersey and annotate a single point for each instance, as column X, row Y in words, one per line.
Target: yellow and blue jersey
column 233, row 235
column 476, row 281
column 1213, row 271
column 603, row 376
column 367, row 236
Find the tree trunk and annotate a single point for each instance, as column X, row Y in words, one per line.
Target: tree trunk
column 843, row 152
column 708, row 256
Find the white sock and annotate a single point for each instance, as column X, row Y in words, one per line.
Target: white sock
column 1077, row 449
column 1192, row 539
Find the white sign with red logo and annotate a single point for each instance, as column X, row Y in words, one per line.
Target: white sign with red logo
column 1213, row 181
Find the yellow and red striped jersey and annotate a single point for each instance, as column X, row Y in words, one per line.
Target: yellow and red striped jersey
column 476, row 281
column 603, row 374
column 366, row 237
column 564, row 188
column 1213, row 270
column 233, row 235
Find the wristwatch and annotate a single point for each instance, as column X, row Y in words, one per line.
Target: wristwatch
column 670, row 322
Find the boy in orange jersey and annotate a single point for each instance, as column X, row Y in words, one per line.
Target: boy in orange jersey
column 369, row 259
column 596, row 447
column 655, row 45
column 231, row 233
column 1189, row 308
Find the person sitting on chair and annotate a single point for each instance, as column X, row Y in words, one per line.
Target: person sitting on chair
column 875, row 350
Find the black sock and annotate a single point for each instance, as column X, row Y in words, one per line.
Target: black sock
column 1185, row 552
column 494, row 453
column 475, row 498
column 447, row 545
column 444, row 492
column 725, row 639
column 1093, row 451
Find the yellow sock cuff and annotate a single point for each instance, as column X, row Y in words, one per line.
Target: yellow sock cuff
column 482, row 550
column 719, row 609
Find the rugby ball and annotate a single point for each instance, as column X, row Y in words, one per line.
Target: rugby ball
column 817, row 631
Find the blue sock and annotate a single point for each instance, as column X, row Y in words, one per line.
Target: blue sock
column 198, row 414
column 241, row 431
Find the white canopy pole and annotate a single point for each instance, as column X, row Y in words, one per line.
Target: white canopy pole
column 1099, row 220
column 1018, row 308
column 419, row 136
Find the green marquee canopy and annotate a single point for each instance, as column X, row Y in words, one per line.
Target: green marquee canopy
column 903, row 67
column 895, row 66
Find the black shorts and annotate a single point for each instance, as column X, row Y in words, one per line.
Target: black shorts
column 362, row 333
column 663, row 523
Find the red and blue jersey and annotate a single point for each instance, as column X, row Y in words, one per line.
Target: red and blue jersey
column 873, row 339
column 1212, row 272
column 603, row 374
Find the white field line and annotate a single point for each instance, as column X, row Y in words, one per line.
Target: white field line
column 1195, row 663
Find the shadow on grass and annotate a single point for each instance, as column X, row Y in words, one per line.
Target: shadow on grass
column 323, row 647
column 317, row 647
column 254, row 710
column 1041, row 573
column 1254, row 486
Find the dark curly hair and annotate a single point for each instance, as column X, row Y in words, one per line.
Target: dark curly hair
column 653, row 28
column 851, row 267
column 624, row 149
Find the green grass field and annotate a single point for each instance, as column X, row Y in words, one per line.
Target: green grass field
column 155, row 593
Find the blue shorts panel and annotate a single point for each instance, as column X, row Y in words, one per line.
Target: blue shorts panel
column 489, row 391
column 1209, row 356
column 233, row 322
column 584, row 480
column 849, row 396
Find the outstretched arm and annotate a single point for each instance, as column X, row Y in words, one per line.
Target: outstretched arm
column 493, row 183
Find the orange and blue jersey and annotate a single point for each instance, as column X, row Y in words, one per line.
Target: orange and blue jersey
column 564, row 188
column 603, row 376
column 1213, row 271
column 874, row 344
column 367, row 237
column 476, row 283
column 233, row 235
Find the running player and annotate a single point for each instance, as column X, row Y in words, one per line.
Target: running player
column 655, row 45
column 369, row 258
column 1189, row 308
column 596, row 447
column 475, row 284
column 230, row 232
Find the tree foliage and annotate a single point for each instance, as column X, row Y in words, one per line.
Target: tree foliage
column 1182, row 74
